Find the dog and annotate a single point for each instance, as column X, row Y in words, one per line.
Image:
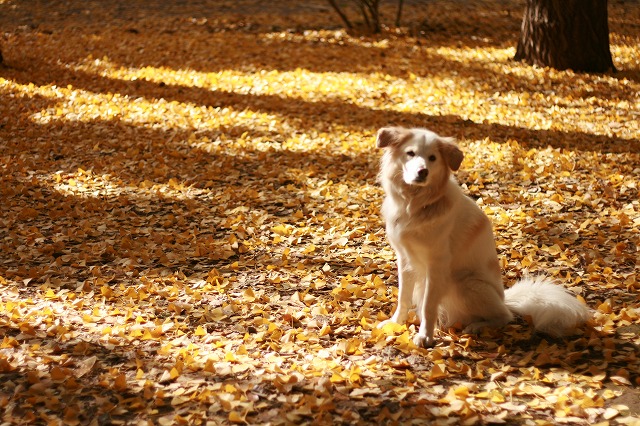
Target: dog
column 448, row 266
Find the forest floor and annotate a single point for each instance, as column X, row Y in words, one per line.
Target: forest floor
column 190, row 228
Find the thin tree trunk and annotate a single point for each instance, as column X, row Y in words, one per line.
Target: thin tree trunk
column 374, row 10
column 365, row 15
column 566, row 34
column 399, row 13
column 344, row 18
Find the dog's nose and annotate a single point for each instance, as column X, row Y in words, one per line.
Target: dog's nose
column 423, row 173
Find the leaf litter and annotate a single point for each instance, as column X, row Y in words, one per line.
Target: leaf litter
column 190, row 225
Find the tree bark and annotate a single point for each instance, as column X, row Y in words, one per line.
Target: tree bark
column 566, row 34
column 344, row 18
column 399, row 12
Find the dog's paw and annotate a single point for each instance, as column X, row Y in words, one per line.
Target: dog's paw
column 385, row 322
column 473, row 329
column 397, row 318
column 479, row 327
column 423, row 341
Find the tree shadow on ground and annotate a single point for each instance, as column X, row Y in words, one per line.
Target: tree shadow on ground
column 84, row 389
column 326, row 114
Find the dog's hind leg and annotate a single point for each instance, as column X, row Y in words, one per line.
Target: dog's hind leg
column 484, row 306
column 495, row 322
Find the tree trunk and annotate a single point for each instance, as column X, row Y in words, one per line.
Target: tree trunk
column 566, row 34
column 344, row 18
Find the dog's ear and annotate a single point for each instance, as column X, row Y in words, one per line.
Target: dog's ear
column 391, row 136
column 451, row 153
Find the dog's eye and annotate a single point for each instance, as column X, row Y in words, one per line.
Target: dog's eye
column 411, row 154
column 432, row 158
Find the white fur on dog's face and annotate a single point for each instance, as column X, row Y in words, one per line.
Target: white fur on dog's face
column 421, row 155
column 420, row 158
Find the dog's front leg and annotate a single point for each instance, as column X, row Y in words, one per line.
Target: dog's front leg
column 436, row 283
column 406, row 283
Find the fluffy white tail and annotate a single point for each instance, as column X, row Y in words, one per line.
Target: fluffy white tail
column 553, row 309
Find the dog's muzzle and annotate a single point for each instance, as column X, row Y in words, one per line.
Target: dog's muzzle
column 421, row 176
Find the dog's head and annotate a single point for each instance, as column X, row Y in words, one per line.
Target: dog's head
column 422, row 156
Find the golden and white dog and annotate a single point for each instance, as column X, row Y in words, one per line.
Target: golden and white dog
column 448, row 267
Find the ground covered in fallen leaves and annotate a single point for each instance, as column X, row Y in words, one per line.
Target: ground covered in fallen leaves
column 190, row 228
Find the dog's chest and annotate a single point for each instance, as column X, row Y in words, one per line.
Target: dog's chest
column 414, row 228
column 405, row 228
column 408, row 229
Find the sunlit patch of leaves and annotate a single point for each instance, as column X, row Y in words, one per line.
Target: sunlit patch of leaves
column 190, row 225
